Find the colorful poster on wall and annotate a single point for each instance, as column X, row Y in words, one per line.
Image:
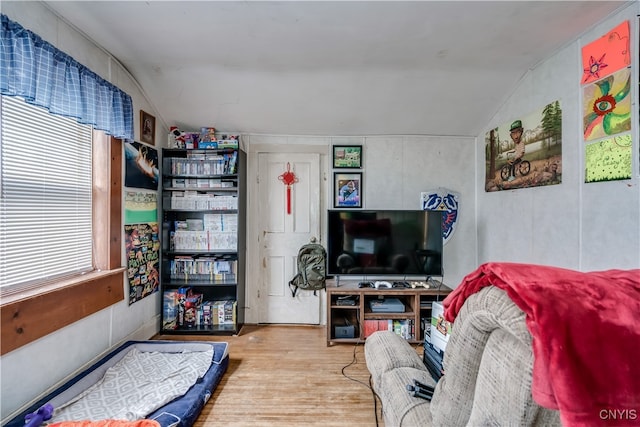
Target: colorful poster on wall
column 608, row 159
column 526, row 151
column 607, row 106
column 606, row 55
column 141, row 166
column 142, row 243
column 143, row 252
column 140, row 207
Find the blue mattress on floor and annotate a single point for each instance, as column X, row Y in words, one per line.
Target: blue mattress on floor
column 180, row 412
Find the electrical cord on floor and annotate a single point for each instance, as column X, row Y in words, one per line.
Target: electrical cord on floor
column 354, row 361
column 369, row 385
column 375, row 401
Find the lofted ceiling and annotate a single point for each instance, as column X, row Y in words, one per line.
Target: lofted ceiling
column 331, row 68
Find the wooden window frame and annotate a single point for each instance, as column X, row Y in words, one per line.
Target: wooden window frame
column 28, row 316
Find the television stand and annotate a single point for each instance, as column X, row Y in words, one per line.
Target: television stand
column 409, row 323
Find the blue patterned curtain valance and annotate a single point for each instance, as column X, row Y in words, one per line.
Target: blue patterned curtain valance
column 44, row 76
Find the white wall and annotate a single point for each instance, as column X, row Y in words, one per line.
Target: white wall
column 593, row 226
column 26, row 372
column 398, row 169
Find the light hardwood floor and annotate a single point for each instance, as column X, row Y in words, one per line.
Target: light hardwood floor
column 282, row 375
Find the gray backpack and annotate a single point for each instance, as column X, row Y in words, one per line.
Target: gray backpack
column 312, row 261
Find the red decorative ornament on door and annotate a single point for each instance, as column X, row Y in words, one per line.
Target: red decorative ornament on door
column 288, row 178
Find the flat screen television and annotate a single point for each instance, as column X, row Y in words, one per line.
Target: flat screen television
column 402, row 243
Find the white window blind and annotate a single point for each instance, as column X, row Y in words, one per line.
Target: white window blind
column 46, row 190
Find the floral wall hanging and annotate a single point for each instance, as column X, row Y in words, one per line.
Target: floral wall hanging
column 607, row 106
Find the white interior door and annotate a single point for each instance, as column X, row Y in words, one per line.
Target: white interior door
column 282, row 234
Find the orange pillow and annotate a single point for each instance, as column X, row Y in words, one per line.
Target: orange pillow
column 107, row 423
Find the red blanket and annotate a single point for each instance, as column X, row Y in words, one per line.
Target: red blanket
column 586, row 336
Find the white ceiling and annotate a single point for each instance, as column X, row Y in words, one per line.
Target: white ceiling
column 331, row 68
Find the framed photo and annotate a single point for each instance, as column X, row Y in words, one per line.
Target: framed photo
column 347, row 156
column 147, row 128
column 347, row 190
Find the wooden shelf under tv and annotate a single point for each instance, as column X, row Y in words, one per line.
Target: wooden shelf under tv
column 417, row 302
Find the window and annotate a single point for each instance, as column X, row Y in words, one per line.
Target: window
column 91, row 276
column 46, row 196
column 69, row 266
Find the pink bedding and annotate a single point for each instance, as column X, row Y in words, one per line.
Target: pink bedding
column 586, row 336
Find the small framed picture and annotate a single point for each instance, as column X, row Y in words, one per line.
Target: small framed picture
column 347, row 190
column 347, row 156
column 147, row 128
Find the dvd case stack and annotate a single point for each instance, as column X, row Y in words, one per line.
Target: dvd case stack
column 436, row 337
column 432, row 358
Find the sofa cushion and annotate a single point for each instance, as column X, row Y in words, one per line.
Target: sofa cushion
column 385, row 351
column 399, row 407
column 503, row 393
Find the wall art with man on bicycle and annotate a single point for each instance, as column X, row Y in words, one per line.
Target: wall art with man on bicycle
column 526, row 151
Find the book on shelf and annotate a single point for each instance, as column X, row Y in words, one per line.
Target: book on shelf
column 232, row 163
column 223, row 312
column 221, row 222
column 169, row 310
column 195, row 224
column 425, row 328
column 203, row 240
column 199, row 164
column 208, row 269
column 192, row 200
column 402, row 327
column 370, row 326
column 440, row 329
column 432, row 359
column 436, row 337
column 181, row 225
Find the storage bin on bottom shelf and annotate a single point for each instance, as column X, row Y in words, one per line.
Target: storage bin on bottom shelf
column 185, row 309
column 403, row 327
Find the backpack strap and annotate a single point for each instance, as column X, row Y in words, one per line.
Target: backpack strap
column 293, row 286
